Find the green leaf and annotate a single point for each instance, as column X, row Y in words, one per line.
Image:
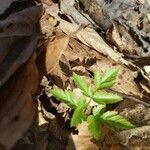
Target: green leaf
column 81, row 83
column 94, row 126
column 71, row 97
column 105, row 98
column 99, row 109
column 106, row 85
column 110, row 75
column 79, row 114
column 113, row 119
column 107, row 80
column 97, row 79
column 108, row 114
column 66, row 96
column 82, row 101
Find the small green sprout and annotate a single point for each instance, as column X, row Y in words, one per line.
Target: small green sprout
column 97, row 93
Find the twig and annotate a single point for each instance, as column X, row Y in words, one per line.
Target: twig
column 131, row 97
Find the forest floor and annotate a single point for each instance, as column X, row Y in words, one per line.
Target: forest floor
column 81, row 37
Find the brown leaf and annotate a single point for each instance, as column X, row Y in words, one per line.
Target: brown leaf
column 65, row 69
column 83, row 140
column 16, row 103
column 54, row 52
column 124, row 42
column 47, row 2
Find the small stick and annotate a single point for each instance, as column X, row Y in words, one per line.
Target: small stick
column 131, row 97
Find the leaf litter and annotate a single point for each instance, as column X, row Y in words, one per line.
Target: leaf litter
column 83, row 53
column 74, row 59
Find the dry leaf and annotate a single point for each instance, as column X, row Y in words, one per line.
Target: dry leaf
column 47, row 25
column 47, row 2
column 16, row 104
column 54, row 52
column 19, row 55
column 124, row 42
column 91, row 38
column 82, row 141
column 17, row 39
column 68, row 7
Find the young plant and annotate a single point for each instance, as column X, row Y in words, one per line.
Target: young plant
column 97, row 93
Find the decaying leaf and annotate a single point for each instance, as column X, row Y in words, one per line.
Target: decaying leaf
column 90, row 37
column 82, row 141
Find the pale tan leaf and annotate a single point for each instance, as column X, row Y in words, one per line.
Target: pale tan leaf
column 82, row 141
column 68, row 7
column 47, row 24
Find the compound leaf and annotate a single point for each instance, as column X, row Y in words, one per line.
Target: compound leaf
column 107, row 80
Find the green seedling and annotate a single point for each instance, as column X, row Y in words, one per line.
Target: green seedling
column 99, row 116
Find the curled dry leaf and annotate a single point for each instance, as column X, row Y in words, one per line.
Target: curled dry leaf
column 124, row 42
column 18, row 72
column 127, row 137
column 16, row 104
